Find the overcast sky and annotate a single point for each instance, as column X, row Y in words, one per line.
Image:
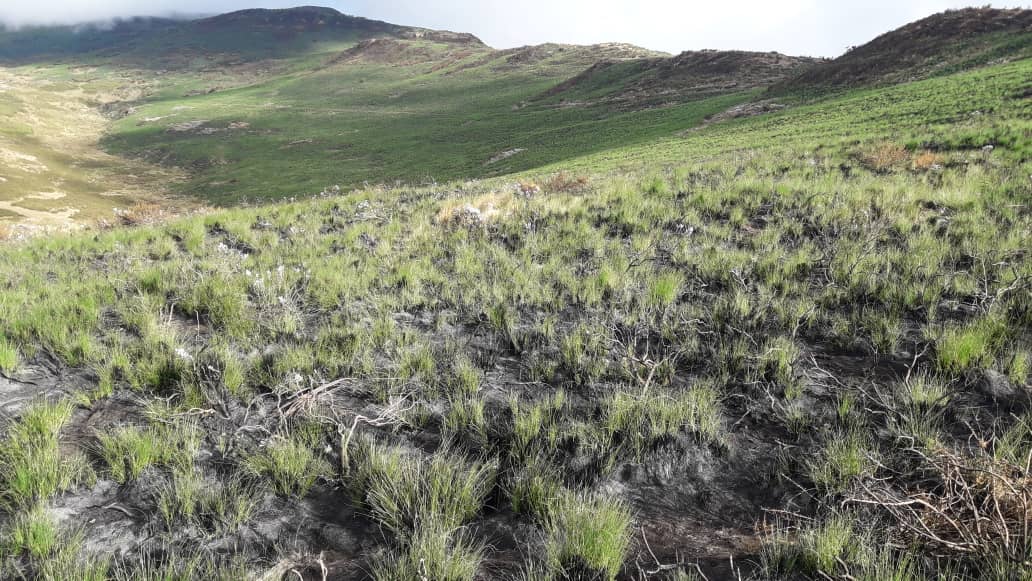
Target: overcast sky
column 799, row 27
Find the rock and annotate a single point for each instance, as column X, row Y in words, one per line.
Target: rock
column 186, row 126
column 505, row 155
column 999, row 388
column 468, row 216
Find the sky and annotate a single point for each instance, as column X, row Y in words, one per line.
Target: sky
column 797, row 27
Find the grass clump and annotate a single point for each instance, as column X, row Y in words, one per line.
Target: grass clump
column 584, row 352
column 665, row 289
column 432, row 554
column 534, row 424
column 962, row 348
column 33, row 533
column 846, row 456
column 1014, row 446
column 36, row 548
column 219, row 506
column 32, row 468
column 587, row 537
column 129, row 450
column 407, row 493
column 9, row 356
column 290, row 463
column 640, row 422
column 220, row 301
column 815, row 549
column 466, row 420
column 424, row 501
column 535, row 488
column 777, row 362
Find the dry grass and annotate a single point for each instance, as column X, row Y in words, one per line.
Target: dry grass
column 142, row 214
column 884, row 157
column 567, row 183
column 982, row 507
column 528, row 188
column 927, row 160
column 482, row 210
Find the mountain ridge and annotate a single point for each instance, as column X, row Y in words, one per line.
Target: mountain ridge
column 941, row 43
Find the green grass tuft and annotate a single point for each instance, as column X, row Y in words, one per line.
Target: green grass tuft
column 587, row 537
column 290, row 463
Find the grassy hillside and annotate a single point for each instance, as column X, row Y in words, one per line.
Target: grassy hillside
column 801, row 340
column 941, row 44
column 688, row 76
column 267, row 105
column 962, row 112
column 386, row 117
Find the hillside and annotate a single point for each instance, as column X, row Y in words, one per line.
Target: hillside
column 948, row 42
column 754, row 350
column 688, row 76
column 363, row 302
column 262, row 105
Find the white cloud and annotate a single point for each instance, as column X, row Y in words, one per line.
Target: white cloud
column 814, row 27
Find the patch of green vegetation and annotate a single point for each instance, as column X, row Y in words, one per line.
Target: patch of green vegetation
column 219, row 507
column 845, row 457
column 587, row 537
column 33, row 533
column 970, row 346
column 52, row 553
column 34, row 468
column 290, row 463
column 129, row 450
column 408, row 494
column 9, row 356
column 641, row 422
column 432, row 554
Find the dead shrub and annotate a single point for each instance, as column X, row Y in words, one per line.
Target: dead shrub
column 884, row 157
column 966, row 505
column 566, row 183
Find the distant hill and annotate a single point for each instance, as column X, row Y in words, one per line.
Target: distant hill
column 245, row 34
column 687, row 76
column 941, row 44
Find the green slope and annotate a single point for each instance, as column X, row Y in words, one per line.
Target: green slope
column 264, row 105
column 374, row 121
column 961, row 112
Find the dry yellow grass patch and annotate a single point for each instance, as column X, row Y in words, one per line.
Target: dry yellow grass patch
column 927, row 160
column 884, row 156
column 567, row 183
column 482, row 210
